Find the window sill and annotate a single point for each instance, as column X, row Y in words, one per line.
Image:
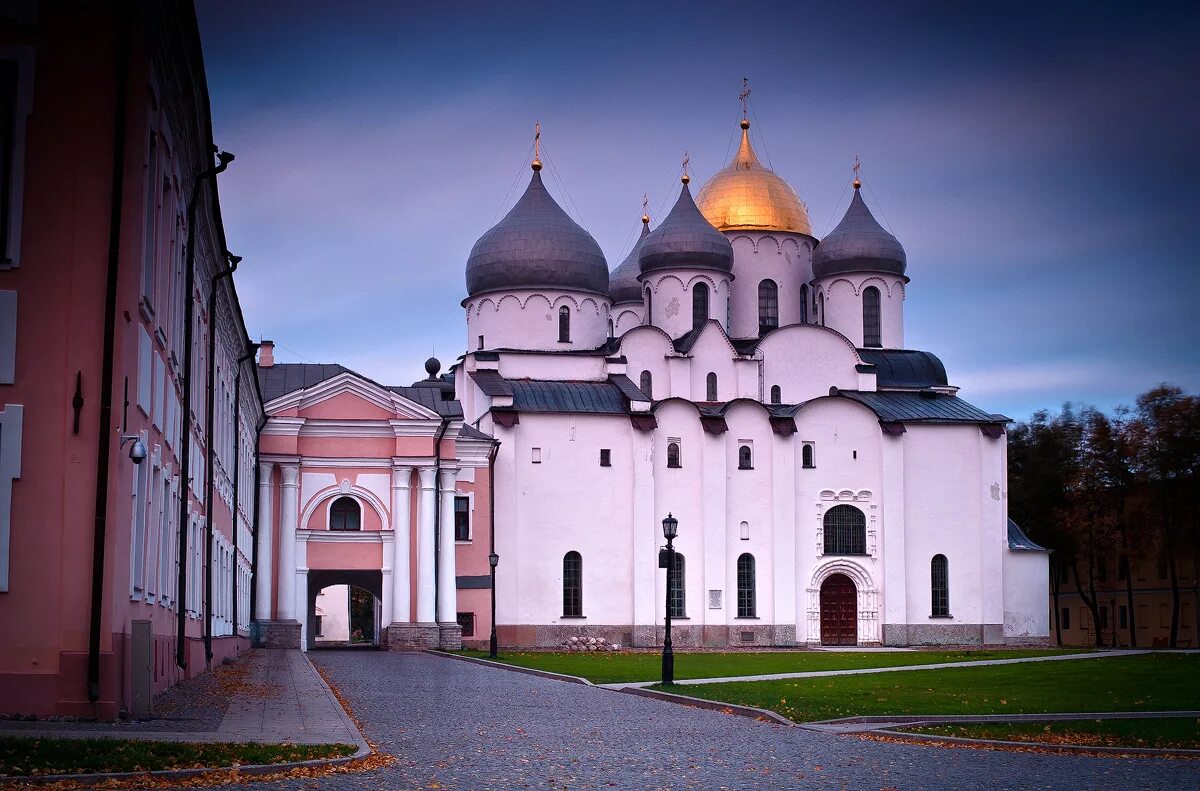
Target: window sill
column 746, row 618
column 809, row 467
column 573, row 617
column 745, row 468
column 943, row 617
column 466, row 541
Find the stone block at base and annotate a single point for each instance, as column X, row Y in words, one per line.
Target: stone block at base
column 278, row 634
column 411, row 636
column 450, row 637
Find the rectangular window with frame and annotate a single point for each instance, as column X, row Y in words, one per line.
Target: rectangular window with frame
column 462, row 519
column 467, row 621
column 605, row 457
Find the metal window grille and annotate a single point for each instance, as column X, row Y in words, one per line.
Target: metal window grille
column 345, row 514
column 871, row 332
column 699, row 305
column 676, row 595
column 572, row 585
column 673, row 455
column 462, row 519
column 646, row 383
column 467, row 621
column 939, row 587
column 845, row 531
column 768, row 306
column 745, row 459
column 564, row 324
column 711, row 389
column 745, row 589
column 776, row 395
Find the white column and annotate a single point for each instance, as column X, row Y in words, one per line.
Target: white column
column 401, row 529
column 266, row 556
column 425, row 546
column 289, row 494
column 447, row 585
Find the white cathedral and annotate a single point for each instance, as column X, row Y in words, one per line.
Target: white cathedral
column 734, row 371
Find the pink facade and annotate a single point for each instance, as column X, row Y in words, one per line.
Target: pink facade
column 67, row 623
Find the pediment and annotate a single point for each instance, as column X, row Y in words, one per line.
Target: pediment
column 349, row 396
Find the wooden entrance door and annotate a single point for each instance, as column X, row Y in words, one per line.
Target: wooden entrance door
column 839, row 611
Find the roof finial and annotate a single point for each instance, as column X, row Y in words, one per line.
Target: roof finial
column 686, row 158
column 645, row 209
column 744, row 98
column 857, row 167
column 537, row 141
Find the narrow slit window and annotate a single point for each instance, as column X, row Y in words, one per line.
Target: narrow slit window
column 673, row 455
column 745, row 458
column 564, row 324
column 768, row 306
column 776, row 395
column 871, row 318
column 572, row 585
column 699, row 305
column 939, row 587
column 711, row 387
column 646, row 383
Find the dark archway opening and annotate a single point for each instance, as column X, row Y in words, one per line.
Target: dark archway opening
column 344, row 609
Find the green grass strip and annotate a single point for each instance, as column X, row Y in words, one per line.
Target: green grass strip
column 1150, row 682
column 1181, row 733
column 23, row 756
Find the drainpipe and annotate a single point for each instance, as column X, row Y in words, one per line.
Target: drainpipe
column 185, row 440
column 210, row 452
column 437, row 514
column 251, row 348
column 104, row 440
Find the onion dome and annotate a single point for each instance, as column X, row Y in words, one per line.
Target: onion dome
column 746, row 195
column 858, row 244
column 623, row 283
column 536, row 245
column 685, row 240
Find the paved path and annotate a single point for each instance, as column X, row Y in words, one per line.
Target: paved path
column 460, row 725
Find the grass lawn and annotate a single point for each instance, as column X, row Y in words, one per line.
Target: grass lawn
column 1161, row 732
column 614, row 667
column 1151, row 682
column 23, row 756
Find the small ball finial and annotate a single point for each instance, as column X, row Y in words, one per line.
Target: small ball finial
column 645, row 219
column 432, row 366
column 745, row 124
column 856, row 183
column 685, row 178
column 536, row 165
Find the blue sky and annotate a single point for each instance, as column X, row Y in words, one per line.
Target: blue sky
column 1038, row 163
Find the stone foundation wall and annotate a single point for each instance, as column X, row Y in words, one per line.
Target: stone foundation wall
column 278, row 634
column 683, row 635
column 900, row 634
column 411, row 636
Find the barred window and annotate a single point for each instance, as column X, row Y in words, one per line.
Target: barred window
column 776, row 395
column 711, row 387
column 564, row 324
column 673, row 454
column 676, row 595
column 745, row 586
column 572, row 585
column 768, row 306
column 745, row 458
column 871, row 332
column 646, row 383
column 462, row 519
column 845, row 531
column 806, row 456
column 699, row 305
column 467, row 621
column 940, row 587
column 345, row 514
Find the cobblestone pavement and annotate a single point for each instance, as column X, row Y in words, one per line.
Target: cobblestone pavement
column 459, row 725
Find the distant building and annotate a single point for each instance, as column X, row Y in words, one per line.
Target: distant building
column 1151, row 601
column 830, row 485
column 104, row 129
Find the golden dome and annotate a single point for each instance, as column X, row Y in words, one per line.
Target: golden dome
column 748, row 196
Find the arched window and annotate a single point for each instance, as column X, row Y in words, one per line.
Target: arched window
column 745, row 586
column 871, row 334
column 804, row 304
column 845, row 531
column 612, row 330
column 745, row 458
column 564, row 324
column 939, row 587
column 572, row 585
column 806, row 456
column 647, row 384
column 821, row 309
column 649, row 307
column 676, row 595
column 345, row 514
column 768, row 306
column 711, row 388
column 776, row 395
column 673, row 454
column 699, row 305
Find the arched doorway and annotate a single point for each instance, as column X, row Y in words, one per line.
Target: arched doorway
column 344, row 608
column 839, row 611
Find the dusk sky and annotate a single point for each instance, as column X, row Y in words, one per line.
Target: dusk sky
column 1039, row 165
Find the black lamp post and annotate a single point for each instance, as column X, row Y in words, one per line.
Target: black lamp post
column 670, row 530
column 493, row 561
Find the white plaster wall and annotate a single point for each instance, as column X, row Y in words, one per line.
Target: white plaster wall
column 1026, row 595
column 844, row 312
column 751, row 497
column 529, row 320
column 685, row 492
column 782, row 257
column 333, row 603
column 588, row 368
column 647, row 349
column 712, row 353
column 628, row 315
column 671, row 303
column 805, row 361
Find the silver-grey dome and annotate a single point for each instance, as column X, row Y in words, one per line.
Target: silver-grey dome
column 858, row 244
column 685, row 240
column 623, row 283
column 536, row 245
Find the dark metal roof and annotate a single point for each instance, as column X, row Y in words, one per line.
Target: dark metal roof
column 283, row 378
column 923, row 407
column 431, row 398
column 492, row 383
column 470, row 432
column 536, row 245
column 858, row 244
column 1017, row 540
column 628, row 388
column 685, row 239
column 598, row 398
column 623, row 285
column 905, row 368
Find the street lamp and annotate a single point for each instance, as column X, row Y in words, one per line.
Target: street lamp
column 670, row 530
column 493, row 561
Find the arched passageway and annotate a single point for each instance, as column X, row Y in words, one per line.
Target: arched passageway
column 349, row 611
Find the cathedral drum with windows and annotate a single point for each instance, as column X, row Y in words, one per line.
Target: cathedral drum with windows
column 830, row 485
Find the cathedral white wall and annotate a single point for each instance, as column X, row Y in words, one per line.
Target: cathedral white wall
column 805, row 361
column 523, row 319
column 587, row 368
column 626, row 316
column 1026, row 596
column 844, row 310
column 647, row 349
column 784, row 258
column 671, row 298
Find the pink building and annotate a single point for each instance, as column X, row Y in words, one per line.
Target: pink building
column 118, row 575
